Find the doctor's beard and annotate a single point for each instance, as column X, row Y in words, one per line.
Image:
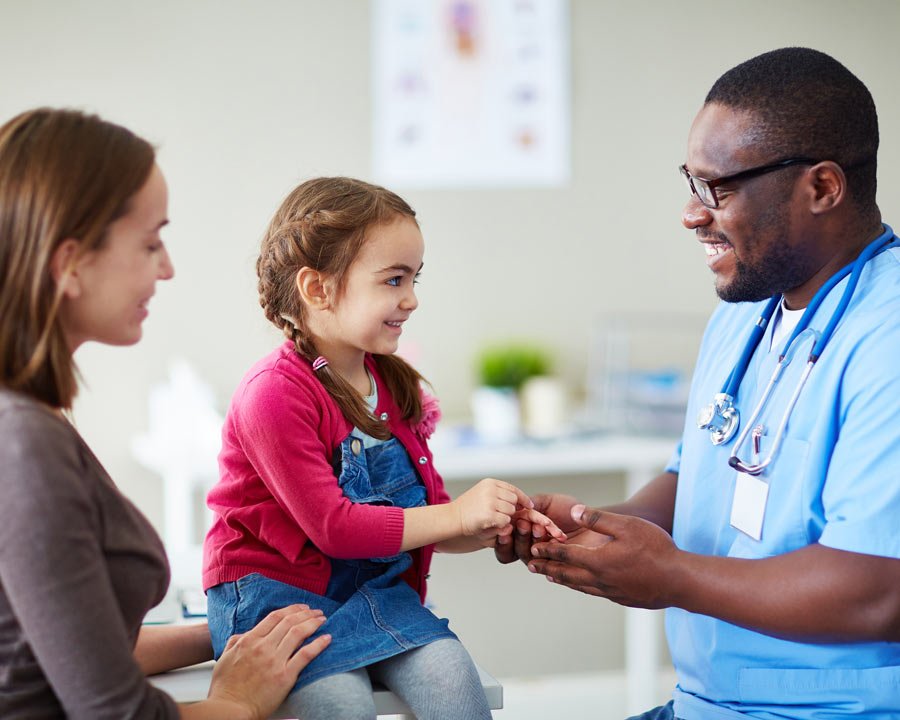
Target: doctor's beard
column 781, row 268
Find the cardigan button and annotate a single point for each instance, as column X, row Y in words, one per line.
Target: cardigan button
column 423, row 460
column 384, row 416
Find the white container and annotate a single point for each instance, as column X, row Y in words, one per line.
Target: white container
column 496, row 414
column 543, row 399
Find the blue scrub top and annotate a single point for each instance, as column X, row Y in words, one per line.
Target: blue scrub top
column 835, row 481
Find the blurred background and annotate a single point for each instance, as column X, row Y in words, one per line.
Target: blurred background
column 591, row 267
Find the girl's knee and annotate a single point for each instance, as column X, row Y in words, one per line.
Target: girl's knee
column 345, row 695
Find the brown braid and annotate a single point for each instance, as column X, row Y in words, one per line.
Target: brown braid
column 322, row 225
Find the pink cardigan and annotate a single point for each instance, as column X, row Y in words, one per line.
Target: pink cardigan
column 278, row 508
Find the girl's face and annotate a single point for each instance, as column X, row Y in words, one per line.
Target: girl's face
column 378, row 296
column 107, row 294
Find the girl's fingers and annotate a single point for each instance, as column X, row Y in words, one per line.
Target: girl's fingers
column 505, row 507
column 510, row 493
column 521, row 499
column 539, row 519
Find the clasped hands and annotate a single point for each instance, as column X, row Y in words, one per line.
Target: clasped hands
column 620, row 557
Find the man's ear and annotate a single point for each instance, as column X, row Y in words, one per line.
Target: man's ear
column 64, row 267
column 828, row 187
column 313, row 289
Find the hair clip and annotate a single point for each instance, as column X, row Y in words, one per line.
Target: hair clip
column 319, row 363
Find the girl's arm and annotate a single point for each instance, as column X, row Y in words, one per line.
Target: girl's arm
column 465, row 544
column 279, row 424
column 490, row 504
column 294, row 466
column 473, row 520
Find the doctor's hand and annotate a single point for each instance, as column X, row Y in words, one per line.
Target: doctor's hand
column 503, row 537
column 620, row 557
column 558, row 508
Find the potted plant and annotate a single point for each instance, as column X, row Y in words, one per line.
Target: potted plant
column 502, row 371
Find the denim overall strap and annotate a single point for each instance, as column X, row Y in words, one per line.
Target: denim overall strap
column 379, row 614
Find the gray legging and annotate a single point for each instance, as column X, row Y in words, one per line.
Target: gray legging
column 438, row 681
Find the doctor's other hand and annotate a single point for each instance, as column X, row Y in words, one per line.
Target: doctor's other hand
column 259, row 667
column 620, row 557
column 557, row 508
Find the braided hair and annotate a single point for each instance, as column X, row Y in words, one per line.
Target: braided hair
column 322, row 224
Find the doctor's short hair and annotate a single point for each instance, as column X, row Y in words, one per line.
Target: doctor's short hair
column 63, row 174
column 808, row 105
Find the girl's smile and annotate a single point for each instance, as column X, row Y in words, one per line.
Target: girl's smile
column 378, row 296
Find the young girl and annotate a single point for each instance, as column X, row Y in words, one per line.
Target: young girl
column 328, row 495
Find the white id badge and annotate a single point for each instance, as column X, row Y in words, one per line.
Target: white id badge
column 749, row 506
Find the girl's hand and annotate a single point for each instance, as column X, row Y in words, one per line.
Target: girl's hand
column 259, row 667
column 489, row 538
column 557, row 509
column 538, row 524
column 489, row 505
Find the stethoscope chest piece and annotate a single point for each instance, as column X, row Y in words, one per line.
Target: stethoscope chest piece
column 721, row 418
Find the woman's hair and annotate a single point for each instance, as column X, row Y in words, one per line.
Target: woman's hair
column 63, row 174
column 322, row 225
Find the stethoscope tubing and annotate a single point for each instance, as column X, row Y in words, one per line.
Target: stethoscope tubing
column 756, row 334
column 735, row 377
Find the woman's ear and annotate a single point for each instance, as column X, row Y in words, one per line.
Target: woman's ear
column 312, row 288
column 64, row 267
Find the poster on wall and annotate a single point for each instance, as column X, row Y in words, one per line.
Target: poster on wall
column 471, row 93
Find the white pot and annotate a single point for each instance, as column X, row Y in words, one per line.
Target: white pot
column 496, row 414
column 543, row 400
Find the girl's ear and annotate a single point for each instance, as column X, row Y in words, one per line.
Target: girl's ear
column 64, row 267
column 312, row 288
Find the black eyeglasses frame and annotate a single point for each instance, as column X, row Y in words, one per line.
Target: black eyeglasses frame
column 707, row 192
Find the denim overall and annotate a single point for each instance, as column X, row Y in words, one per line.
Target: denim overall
column 372, row 612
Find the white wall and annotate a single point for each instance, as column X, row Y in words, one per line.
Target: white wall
column 246, row 99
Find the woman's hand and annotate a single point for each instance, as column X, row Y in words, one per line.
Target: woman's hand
column 259, row 667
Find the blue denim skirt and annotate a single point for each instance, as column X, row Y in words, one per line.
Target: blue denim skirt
column 372, row 612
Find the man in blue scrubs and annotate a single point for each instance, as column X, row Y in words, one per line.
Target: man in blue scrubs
column 781, row 589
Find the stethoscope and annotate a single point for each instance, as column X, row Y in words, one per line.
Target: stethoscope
column 722, row 418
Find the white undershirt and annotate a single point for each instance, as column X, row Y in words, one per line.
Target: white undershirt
column 372, row 401
column 785, row 322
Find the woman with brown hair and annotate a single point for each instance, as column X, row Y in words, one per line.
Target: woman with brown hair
column 82, row 203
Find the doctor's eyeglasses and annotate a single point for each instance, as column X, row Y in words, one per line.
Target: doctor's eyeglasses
column 705, row 188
